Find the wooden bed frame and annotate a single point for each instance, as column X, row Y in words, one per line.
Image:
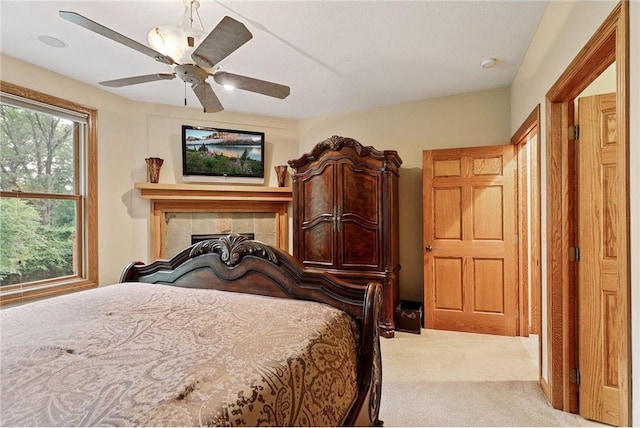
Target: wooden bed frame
column 234, row 263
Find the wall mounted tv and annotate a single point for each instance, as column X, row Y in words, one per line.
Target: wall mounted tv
column 222, row 155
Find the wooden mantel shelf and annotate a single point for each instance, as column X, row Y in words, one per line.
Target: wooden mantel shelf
column 204, row 192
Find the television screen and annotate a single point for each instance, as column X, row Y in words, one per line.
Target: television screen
column 222, row 155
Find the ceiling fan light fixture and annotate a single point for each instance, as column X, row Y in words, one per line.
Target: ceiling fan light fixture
column 179, row 42
column 176, row 42
column 228, row 87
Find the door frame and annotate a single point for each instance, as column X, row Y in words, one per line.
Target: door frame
column 528, row 205
column 610, row 43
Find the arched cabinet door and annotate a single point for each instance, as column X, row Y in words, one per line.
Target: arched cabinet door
column 345, row 216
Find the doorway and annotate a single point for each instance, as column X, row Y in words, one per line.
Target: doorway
column 527, row 142
column 608, row 45
column 475, row 200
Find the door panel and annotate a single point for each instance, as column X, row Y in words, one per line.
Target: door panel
column 448, row 289
column 598, row 277
column 470, row 253
column 316, row 243
column 319, row 255
column 317, row 189
column 358, row 221
column 359, row 194
column 447, row 206
column 487, row 291
column 487, row 217
column 362, row 250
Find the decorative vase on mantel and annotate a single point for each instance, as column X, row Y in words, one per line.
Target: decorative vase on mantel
column 281, row 172
column 153, row 169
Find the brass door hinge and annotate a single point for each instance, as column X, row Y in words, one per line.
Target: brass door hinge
column 574, row 132
column 574, row 376
column 574, row 254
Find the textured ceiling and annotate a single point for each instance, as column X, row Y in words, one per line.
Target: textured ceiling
column 336, row 56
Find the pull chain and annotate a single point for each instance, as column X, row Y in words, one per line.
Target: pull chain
column 185, row 93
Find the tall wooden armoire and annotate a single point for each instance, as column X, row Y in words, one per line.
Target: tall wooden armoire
column 345, row 216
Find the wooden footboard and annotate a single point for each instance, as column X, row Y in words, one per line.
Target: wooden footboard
column 234, row 263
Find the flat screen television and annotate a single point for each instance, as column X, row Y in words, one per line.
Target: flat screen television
column 222, row 155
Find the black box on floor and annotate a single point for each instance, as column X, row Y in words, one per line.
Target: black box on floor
column 409, row 316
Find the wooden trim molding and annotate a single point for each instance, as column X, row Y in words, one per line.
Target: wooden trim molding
column 159, row 191
column 528, row 150
column 609, row 44
column 209, row 198
column 87, row 276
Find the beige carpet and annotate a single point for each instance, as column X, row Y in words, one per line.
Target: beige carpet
column 441, row 378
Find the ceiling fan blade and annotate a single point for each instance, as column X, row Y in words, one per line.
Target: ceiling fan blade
column 228, row 36
column 207, row 97
column 250, row 84
column 118, row 83
column 115, row 36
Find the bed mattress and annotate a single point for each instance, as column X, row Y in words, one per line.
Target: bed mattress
column 156, row 355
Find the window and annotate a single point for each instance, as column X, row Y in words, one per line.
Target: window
column 48, row 195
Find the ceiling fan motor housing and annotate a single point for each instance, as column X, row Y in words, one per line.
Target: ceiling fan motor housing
column 191, row 73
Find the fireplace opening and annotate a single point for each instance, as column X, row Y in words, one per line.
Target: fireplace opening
column 197, row 238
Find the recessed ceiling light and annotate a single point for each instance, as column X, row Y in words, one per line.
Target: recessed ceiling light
column 489, row 63
column 52, row 41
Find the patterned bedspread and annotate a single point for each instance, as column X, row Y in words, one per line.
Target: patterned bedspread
column 143, row 354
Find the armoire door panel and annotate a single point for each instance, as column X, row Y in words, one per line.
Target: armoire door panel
column 359, row 190
column 360, row 249
column 318, row 193
column 318, row 245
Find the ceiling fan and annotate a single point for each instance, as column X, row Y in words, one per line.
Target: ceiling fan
column 193, row 64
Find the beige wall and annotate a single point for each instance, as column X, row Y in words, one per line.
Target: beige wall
column 472, row 119
column 156, row 132
column 603, row 84
column 128, row 132
column 564, row 30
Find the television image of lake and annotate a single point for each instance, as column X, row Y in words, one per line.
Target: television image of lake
column 222, row 152
column 228, row 150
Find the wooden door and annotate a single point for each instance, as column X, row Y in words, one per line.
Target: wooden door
column 470, row 256
column 599, row 332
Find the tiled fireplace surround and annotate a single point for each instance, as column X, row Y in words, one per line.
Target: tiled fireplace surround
column 181, row 210
column 181, row 225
